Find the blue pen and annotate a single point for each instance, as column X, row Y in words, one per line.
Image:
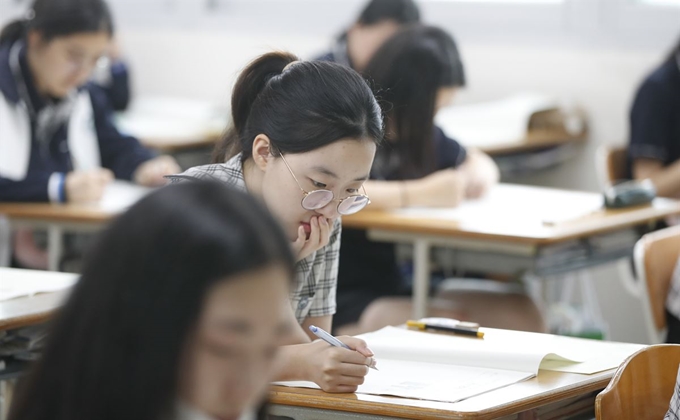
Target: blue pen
column 335, row 342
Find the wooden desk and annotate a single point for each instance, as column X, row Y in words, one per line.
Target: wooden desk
column 59, row 218
column 549, row 394
column 513, row 230
column 536, row 139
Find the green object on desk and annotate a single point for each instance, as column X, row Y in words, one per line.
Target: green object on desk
column 628, row 194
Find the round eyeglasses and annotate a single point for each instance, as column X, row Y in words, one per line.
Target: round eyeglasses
column 317, row 199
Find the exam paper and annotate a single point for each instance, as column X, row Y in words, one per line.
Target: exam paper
column 16, row 283
column 119, row 195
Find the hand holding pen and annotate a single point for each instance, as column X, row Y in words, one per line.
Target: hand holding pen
column 328, row 338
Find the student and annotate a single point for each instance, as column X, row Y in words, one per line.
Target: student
column 674, row 406
column 379, row 20
column 56, row 133
column 415, row 73
column 177, row 315
column 654, row 150
column 673, row 308
column 303, row 139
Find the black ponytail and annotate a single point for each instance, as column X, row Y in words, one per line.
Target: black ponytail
column 300, row 105
column 56, row 18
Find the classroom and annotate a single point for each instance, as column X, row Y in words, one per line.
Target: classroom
column 339, row 209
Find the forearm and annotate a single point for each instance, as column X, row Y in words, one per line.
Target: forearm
column 665, row 179
column 388, row 195
column 292, row 365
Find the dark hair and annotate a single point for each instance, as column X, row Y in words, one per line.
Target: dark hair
column 114, row 348
column 401, row 11
column 55, row 18
column 407, row 71
column 299, row 105
column 675, row 52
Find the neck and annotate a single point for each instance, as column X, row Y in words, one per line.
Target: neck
column 33, row 63
column 253, row 177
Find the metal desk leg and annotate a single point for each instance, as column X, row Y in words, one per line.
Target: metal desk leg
column 421, row 277
column 55, row 244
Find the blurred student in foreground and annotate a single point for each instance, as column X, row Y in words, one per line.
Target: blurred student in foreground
column 178, row 315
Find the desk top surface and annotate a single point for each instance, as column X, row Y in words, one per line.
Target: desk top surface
column 517, row 214
column 30, row 310
column 547, row 388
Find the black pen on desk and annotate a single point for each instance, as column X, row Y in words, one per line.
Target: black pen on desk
column 456, row 330
column 328, row 338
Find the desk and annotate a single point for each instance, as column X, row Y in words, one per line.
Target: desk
column 59, row 218
column 514, row 229
column 172, row 125
column 550, row 394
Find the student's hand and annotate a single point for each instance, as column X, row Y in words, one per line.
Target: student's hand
column 86, row 186
column 318, row 237
column 151, row 172
column 481, row 173
column 336, row 369
column 445, row 188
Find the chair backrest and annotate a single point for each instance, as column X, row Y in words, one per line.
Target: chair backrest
column 655, row 257
column 642, row 387
column 612, row 164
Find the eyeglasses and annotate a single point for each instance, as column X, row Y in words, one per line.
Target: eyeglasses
column 317, row 199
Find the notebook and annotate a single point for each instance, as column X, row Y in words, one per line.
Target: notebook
column 449, row 368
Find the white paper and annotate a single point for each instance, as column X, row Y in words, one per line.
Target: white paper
column 430, row 381
column 509, row 205
column 16, row 283
column 501, row 122
column 172, row 120
column 119, row 195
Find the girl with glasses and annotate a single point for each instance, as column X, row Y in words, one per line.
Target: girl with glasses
column 57, row 139
column 178, row 315
column 302, row 140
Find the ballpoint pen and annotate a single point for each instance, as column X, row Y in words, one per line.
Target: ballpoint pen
column 319, row 332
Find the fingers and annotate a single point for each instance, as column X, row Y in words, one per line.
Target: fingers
column 357, row 344
column 325, row 231
column 319, row 236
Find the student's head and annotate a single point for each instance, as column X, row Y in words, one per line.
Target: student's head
column 321, row 117
column 379, row 20
column 183, row 299
column 65, row 39
column 415, row 73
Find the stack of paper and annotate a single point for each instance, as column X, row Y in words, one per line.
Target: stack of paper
column 16, row 283
column 449, row 368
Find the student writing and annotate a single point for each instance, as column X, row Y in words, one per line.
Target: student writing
column 303, row 139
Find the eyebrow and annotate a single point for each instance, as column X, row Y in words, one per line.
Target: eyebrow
column 326, row 171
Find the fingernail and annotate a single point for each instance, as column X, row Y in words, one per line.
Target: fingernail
column 374, row 363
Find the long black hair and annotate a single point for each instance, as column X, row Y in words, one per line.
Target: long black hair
column 56, row 18
column 407, row 72
column 300, row 105
column 114, row 348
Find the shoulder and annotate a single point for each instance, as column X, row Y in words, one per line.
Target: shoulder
column 216, row 172
column 661, row 84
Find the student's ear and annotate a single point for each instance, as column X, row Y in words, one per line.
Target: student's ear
column 262, row 151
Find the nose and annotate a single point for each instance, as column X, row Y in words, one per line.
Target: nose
column 329, row 211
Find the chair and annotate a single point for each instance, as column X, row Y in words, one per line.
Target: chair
column 655, row 256
column 642, row 387
column 612, row 164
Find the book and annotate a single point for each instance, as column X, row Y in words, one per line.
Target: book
column 450, row 368
column 16, row 283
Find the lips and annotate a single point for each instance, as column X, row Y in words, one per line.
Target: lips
column 307, row 227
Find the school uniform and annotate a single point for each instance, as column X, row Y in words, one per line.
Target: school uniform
column 114, row 80
column 368, row 269
column 338, row 52
column 674, row 406
column 41, row 139
column 316, row 276
column 655, row 116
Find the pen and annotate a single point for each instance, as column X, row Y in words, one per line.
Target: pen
column 319, row 332
column 456, row 330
